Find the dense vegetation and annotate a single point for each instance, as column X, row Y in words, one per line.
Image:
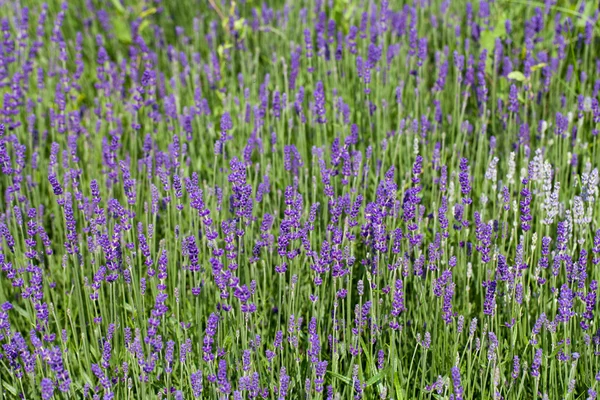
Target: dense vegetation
column 311, row 199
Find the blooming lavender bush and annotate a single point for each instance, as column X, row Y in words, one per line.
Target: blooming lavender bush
column 303, row 200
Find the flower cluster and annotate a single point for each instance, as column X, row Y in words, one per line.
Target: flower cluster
column 301, row 199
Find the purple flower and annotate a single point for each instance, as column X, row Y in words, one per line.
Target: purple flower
column 489, row 304
column 513, row 101
column 196, row 382
column 525, row 209
column 536, row 364
column 380, row 359
column 320, row 370
column 537, row 327
column 292, row 159
column 565, row 304
column 358, row 387
column 456, row 383
column 464, row 180
column 211, row 330
column 482, row 91
column 192, row 251
column 447, row 313
column 562, row 124
column 47, row 388
column 295, row 66
column 308, row 43
column 441, row 79
column 102, row 378
column 374, row 54
column 398, row 303
column 426, row 343
column 56, row 188
column 506, row 198
column 5, row 232
column 516, row 367
column 320, row 103
column 284, row 382
column 596, row 248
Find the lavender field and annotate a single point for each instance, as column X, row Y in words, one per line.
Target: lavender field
column 316, row 199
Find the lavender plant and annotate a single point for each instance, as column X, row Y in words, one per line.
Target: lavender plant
column 302, row 199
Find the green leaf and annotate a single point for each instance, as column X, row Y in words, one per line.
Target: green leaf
column 370, row 363
column 122, row 30
column 10, row 388
column 222, row 48
column 538, row 66
column 398, row 388
column 517, row 76
column 239, row 24
column 93, row 350
column 23, row 312
column 487, row 41
column 342, row 378
column 228, row 341
column 118, row 6
column 376, row 378
column 488, row 38
column 148, row 12
column 554, row 353
column 342, row 12
column 128, row 307
column 145, row 23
